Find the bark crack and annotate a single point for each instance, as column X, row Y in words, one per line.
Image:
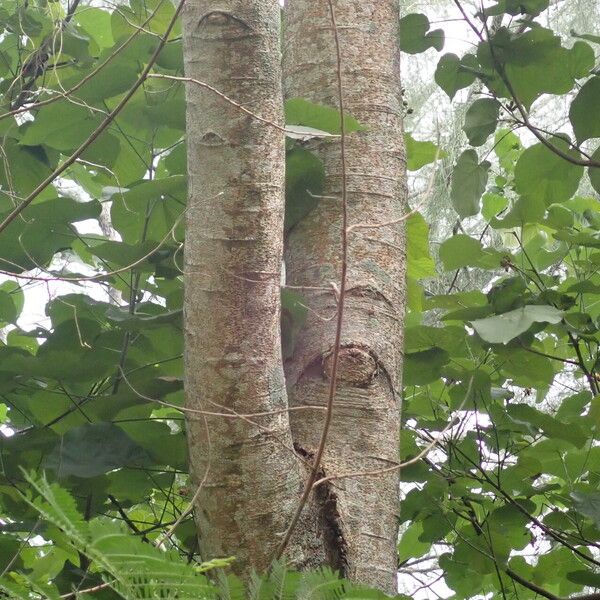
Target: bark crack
column 330, row 521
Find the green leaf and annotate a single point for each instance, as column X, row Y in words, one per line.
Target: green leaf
column 419, row 154
column 410, row 546
column 507, row 529
column 61, row 125
column 588, row 504
column 134, row 485
column 126, row 20
column 453, row 73
column 304, row 180
column 115, row 78
column 450, row 338
column 524, row 210
column 540, row 174
column 151, row 207
column 21, row 170
column 594, row 172
column 549, row 426
column 534, row 62
column 481, row 120
column 415, row 36
column 515, row 7
column 469, row 180
column 159, row 442
column 508, row 294
column 585, row 111
column 500, row 329
column 573, row 406
column 119, row 254
column 558, row 216
column 459, row 251
column 492, row 205
column 293, row 316
column 464, row 251
column 507, row 147
column 418, row 259
column 457, row 300
column 44, row 230
column 526, row 369
column 11, row 301
column 421, row 368
column 587, row 578
column 415, row 295
column 96, row 23
column 325, row 118
column 94, row 449
column 75, row 43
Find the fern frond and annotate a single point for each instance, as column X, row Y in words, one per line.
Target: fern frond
column 13, row 590
column 230, row 587
column 322, row 584
column 140, row 571
column 134, row 569
column 57, row 506
column 215, row 563
column 278, row 575
column 23, row 587
column 258, row 587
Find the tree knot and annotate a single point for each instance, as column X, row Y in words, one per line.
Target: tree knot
column 356, row 365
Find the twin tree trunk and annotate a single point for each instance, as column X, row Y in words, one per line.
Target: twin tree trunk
column 252, row 468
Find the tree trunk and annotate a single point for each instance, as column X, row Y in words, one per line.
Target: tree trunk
column 233, row 254
column 364, row 436
column 249, row 476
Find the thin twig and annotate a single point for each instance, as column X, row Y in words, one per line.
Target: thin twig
column 37, row 63
column 545, row 593
column 207, row 413
column 98, row 131
column 232, row 414
column 237, row 105
column 66, row 93
column 190, row 507
column 99, row 276
column 397, row 467
column 89, row 590
column 227, row 99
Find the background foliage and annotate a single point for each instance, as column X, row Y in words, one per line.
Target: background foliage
column 503, row 331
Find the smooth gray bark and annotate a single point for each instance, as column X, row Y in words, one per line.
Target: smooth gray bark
column 364, row 436
column 234, row 242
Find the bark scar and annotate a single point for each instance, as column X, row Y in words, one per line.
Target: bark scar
column 211, row 138
column 331, row 525
column 222, row 25
column 336, row 546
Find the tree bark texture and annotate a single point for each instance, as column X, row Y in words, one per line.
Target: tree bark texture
column 364, row 435
column 233, row 255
